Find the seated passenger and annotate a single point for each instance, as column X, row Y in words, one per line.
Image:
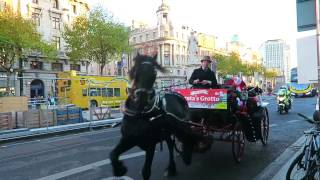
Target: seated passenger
column 203, row 77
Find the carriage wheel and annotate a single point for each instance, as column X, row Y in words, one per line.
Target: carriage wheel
column 238, row 142
column 264, row 127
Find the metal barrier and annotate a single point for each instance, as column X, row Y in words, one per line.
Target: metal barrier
column 69, row 115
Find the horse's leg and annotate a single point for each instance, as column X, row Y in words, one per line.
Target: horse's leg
column 171, row 169
column 124, row 145
column 146, row 170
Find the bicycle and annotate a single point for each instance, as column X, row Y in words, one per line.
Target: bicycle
column 306, row 165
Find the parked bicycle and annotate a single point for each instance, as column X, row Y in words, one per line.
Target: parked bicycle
column 306, row 165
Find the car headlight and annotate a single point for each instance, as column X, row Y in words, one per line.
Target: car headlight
column 308, row 93
column 281, row 98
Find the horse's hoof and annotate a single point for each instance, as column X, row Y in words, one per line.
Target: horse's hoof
column 120, row 171
column 170, row 173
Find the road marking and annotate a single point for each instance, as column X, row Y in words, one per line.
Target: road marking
column 88, row 167
column 55, row 148
column 273, row 125
column 118, row 178
column 292, row 121
column 53, row 139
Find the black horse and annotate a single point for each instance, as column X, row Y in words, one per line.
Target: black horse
column 150, row 118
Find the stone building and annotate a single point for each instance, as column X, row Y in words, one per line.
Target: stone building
column 179, row 48
column 50, row 17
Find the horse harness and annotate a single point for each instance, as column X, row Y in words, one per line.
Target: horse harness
column 155, row 109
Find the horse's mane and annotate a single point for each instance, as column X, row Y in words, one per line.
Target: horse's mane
column 139, row 59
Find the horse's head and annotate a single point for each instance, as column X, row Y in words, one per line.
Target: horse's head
column 143, row 75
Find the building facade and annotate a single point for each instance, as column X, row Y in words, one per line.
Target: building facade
column 179, row 48
column 50, row 17
column 276, row 56
column 308, row 50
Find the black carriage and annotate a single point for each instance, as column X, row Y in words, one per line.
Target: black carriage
column 231, row 117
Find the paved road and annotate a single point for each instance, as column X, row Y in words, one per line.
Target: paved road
column 85, row 155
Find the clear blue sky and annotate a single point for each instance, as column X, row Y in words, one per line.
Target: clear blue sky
column 253, row 20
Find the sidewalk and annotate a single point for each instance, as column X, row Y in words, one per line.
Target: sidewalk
column 277, row 170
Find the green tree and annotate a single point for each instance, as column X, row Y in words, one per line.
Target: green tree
column 269, row 74
column 222, row 64
column 19, row 37
column 97, row 38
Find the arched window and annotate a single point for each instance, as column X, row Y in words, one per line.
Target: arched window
column 55, row 4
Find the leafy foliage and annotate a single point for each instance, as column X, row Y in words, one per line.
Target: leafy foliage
column 97, row 38
column 18, row 37
column 232, row 65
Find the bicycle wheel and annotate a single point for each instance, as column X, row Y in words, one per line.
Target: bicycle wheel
column 296, row 169
column 314, row 172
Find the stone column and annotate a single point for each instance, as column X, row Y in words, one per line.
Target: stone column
column 162, row 54
column 172, row 55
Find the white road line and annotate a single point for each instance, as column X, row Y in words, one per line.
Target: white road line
column 273, row 125
column 53, row 139
column 55, row 148
column 88, row 167
column 292, row 121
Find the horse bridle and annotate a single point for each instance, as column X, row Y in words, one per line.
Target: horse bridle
column 148, row 91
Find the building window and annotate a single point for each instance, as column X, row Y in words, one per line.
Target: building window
column 56, row 23
column 36, row 65
column 35, row 1
column 57, row 41
column 2, row 5
column 55, row 4
column 177, row 34
column 74, row 9
column 178, row 60
column 178, row 72
column 36, row 16
column 147, row 36
column 154, row 34
column 167, row 54
column 149, row 51
column 140, row 38
column 166, row 33
column 134, row 39
column 75, row 67
column 167, row 59
column 57, row 67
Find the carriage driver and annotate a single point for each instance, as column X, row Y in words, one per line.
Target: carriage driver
column 203, row 77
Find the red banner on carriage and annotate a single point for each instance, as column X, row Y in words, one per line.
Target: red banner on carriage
column 205, row 98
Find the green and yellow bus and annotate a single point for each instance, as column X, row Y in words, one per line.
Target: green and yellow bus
column 95, row 91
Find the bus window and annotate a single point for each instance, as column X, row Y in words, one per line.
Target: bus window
column 98, row 91
column 69, row 82
column 84, row 92
column 104, row 92
column 93, row 92
column 109, row 92
column 117, row 92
